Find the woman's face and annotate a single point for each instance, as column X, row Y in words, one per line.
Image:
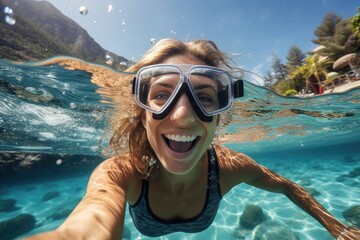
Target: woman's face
column 181, row 138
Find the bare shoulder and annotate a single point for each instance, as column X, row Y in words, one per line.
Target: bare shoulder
column 230, row 160
column 235, row 168
column 115, row 171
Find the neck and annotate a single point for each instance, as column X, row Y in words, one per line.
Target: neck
column 177, row 183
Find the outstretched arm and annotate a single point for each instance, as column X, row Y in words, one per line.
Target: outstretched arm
column 240, row 168
column 100, row 214
column 271, row 181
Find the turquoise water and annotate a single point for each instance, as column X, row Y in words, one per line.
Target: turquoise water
column 54, row 121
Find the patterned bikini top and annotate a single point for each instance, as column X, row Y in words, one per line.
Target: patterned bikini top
column 148, row 224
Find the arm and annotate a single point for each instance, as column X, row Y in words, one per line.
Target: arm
column 100, row 214
column 241, row 168
column 273, row 182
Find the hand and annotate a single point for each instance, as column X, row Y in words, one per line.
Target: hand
column 349, row 233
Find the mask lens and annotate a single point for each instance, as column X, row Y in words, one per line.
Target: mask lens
column 157, row 85
column 208, row 88
column 211, row 88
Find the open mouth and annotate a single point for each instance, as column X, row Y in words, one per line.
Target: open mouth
column 180, row 143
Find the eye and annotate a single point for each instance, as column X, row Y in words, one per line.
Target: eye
column 206, row 100
column 158, row 99
column 161, row 96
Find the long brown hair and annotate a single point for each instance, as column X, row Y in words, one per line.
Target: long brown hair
column 129, row 132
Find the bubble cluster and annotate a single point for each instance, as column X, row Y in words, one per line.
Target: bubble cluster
column 8, row 10
column 9, row 16
column 123, row 22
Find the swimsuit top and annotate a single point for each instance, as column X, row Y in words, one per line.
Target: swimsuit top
column 148, row 224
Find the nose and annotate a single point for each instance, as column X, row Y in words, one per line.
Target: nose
column 183, row 113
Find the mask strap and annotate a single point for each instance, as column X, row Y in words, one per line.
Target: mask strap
column 238, row 87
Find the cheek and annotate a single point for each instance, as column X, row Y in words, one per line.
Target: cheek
column 143, row 120
column 150, row 127
column 211, row 129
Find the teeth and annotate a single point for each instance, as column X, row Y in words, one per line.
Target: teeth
column 180, row 138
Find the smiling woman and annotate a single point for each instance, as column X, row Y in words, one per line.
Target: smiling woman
column 166, row 167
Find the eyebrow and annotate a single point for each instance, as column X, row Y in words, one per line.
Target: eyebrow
column 162, row 84
column 203, row 86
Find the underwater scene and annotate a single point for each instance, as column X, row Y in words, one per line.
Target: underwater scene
column 63, row 72
column 54, row 117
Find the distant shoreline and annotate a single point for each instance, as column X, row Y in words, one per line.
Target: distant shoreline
column 338, row 89
column 343, row 87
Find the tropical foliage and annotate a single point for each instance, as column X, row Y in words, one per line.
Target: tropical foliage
column 355, row 22
column 335, row 38
column 315, row 67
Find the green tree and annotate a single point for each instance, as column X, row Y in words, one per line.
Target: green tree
column 269, row 80
column 301, row 72
column 280, row 70
column 326, row 30
column 313, row 66
column 279, row 75
column 355, row 23
column 336, row 35
column 295, row 57
column 284, row 87
column 353, row 42
column 336, row 48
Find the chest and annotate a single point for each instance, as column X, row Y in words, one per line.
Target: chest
column 170, row 206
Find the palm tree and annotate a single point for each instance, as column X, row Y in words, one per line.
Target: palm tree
column 313, row 66
column 300, row 72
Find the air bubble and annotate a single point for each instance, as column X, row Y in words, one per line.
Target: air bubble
column 153, row 41
column 110, row 8
column 59, row 162
column 73, row 105
column 9, row 16
column 10, row 20
column 8, row 10
column 94, row 148
column 83, row 10
column 109, row 59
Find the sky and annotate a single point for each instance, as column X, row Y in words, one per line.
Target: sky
column 250, row 30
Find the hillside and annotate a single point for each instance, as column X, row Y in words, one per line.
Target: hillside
column 42, row 31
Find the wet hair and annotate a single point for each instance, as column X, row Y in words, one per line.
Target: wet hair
column 129, row 132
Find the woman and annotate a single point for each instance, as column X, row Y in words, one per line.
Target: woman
column 172, row 176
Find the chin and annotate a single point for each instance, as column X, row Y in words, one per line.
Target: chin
column 179, row 168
